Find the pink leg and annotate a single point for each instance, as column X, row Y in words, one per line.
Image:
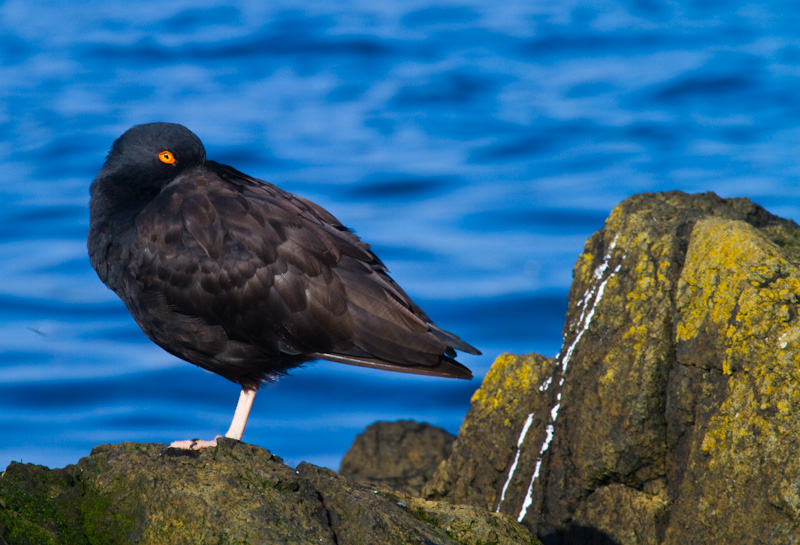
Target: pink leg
column 237, row 424
column 242, row 412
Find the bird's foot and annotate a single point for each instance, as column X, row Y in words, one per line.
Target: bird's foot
column 194, row 444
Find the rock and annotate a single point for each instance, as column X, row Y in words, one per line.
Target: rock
column 366, row 515
column 670, row 415
column 513, row 402
column 470, row 525
column 400, row 455
column 232, row 494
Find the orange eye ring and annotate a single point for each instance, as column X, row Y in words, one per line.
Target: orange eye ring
column 166, row 157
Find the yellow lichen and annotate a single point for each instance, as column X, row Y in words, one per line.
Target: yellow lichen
column 740, row 293
column 508, row 376
column 714, row 271
column 608, row 378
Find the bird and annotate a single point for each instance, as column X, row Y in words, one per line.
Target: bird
column 243, row 279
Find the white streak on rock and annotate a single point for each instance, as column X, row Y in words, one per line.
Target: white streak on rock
column 529, row 495
column 516, row 460
column 586, row 317
column 554, row 410
column 595, row 295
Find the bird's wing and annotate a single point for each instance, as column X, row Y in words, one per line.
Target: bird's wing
column 281, row 273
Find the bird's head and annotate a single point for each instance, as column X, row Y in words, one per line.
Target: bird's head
column 145, row 159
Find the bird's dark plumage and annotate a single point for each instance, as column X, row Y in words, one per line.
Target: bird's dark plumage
column 242, row 278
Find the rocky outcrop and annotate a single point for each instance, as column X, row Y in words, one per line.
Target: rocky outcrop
column 671, row 414
column 232, row 494
column 401, row 455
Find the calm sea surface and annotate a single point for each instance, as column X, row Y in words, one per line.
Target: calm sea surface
column 475, row 145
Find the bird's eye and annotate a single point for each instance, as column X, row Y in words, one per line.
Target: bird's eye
column 166, row 157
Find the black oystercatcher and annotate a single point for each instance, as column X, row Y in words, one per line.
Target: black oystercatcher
column 242, row 278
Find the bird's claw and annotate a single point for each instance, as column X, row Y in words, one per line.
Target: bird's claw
column 194, row 444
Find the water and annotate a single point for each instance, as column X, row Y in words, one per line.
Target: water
column 475, row 145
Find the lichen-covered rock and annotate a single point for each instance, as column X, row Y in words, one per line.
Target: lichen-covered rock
column 471, row 525
column 512, row 403
column 366, row 515
column 620, row 514
column 671, row 414
column 402, row 455
column 744, row 468
column 232, row 494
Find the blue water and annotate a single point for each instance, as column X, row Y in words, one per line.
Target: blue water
column 475, row 145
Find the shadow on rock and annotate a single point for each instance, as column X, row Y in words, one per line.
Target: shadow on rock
column 579, row 535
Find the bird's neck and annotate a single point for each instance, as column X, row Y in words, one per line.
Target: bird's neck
column 119, row 199
column 113, row 210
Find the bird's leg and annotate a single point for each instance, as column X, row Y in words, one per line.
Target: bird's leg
column 237, row 424
column 242, row 412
